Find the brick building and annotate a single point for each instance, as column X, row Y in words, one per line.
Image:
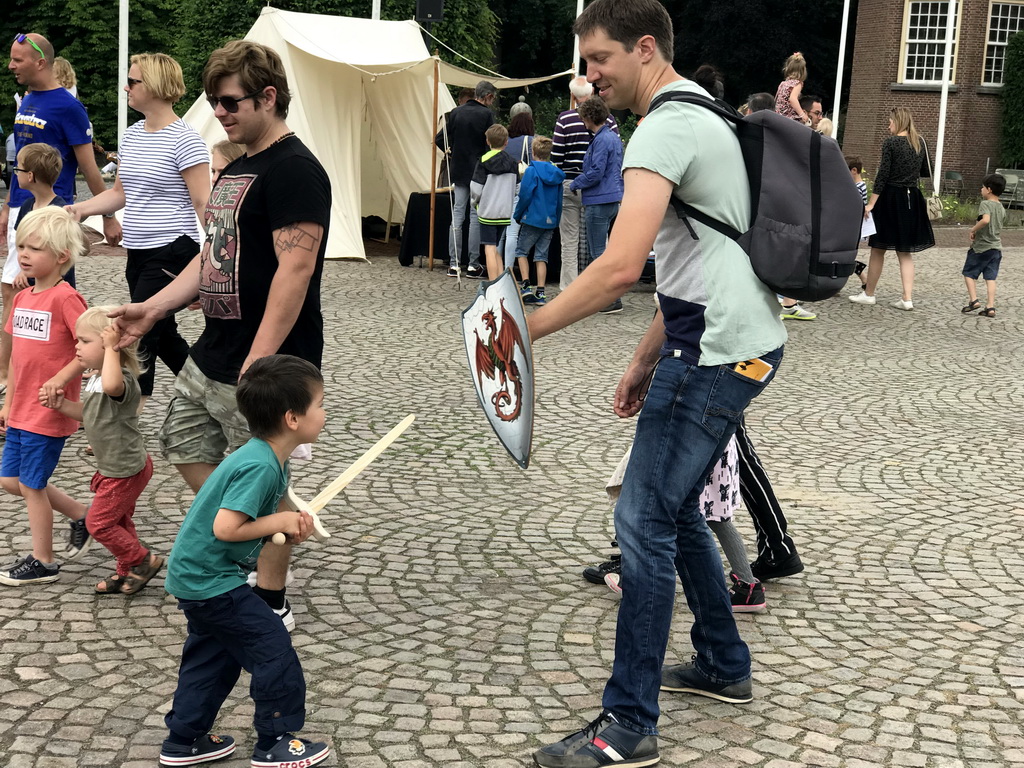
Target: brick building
column 898, row 61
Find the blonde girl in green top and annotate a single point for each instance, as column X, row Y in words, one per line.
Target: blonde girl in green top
column 109, row 411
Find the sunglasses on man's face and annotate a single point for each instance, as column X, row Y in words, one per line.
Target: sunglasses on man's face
column 23, row 38
column 230, row 103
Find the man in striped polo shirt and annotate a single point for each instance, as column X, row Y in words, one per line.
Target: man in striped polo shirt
column 570, row 143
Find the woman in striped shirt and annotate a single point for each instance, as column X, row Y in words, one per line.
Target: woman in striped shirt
column 163, row 183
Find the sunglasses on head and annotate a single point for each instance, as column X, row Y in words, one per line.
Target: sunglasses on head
column 230, row 103
column 23, row 38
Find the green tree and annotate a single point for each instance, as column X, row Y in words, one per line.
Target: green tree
column 85, row 33
column 1013, row 103
column 750, row 41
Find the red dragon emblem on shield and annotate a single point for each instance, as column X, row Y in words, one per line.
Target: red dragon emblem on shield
column 495, row 359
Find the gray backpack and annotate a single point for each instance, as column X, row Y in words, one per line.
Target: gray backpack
column 805, row 211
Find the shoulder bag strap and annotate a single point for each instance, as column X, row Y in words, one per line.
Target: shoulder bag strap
column 931, row 173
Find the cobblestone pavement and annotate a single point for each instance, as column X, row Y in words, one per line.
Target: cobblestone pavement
column 446, row 622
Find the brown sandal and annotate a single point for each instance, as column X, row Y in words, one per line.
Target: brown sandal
column 139, row 576
column 112, row 585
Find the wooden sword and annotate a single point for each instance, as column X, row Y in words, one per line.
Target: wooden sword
column 322, row 499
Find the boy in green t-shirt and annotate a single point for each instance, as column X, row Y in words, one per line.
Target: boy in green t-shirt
column 986, row 248
column 229, row 627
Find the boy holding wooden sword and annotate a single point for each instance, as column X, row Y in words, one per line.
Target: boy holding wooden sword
column 229, row 626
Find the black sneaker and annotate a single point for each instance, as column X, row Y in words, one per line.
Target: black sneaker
column 747, row 598
column 764, row 568
column 205, row 749
column 684, row 678
column 29, row 571
column 291, row 752
column 613, row 308
column 475, row 271
column 79, row 541
column 453, row 272
column 595, row 573
column 604, row 742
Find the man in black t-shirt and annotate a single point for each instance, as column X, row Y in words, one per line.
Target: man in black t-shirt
column 257, row 276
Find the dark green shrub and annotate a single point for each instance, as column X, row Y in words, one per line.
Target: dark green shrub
column 1013, row 103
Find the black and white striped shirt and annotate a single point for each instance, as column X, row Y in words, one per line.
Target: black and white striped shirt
column 158, row 209
column 571, row 140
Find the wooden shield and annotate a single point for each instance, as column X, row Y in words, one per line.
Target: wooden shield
column 501, row 363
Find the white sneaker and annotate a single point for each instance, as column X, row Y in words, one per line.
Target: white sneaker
column 612, row 580
column 796, row 312
column 862, row 298
column 904, row 305
column 287, row 617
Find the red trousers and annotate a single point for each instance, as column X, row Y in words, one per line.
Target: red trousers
column 109, row 519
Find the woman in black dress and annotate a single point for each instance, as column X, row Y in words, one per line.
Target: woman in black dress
column 898, row 207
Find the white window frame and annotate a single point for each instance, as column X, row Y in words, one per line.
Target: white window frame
column 997, row 48
column 937, row 41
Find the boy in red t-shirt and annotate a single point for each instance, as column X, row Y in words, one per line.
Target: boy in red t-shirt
column 42, row 323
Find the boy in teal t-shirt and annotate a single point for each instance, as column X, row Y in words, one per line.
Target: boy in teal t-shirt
column 986, row 250
column 230, row 627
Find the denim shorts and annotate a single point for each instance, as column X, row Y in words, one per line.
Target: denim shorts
column 30, row 457
column 985, row 264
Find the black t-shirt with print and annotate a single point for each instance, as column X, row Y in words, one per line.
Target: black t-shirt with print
column 284, row 184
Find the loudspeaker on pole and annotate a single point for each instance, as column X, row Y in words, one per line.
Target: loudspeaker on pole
column 429, row 11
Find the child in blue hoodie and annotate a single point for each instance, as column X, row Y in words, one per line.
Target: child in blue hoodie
column 539, row 211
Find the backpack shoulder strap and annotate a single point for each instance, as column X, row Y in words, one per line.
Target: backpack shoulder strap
column 726, row 112
column 720, row 108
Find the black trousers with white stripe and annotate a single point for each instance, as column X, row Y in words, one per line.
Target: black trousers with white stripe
column 773, row 543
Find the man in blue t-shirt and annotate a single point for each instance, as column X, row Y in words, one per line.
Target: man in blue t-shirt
column 50, row 115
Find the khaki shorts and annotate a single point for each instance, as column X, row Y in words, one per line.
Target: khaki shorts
column 203, row 422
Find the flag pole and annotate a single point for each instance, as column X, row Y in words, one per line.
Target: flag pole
column 576, row 52
column 122, row 71
column 837, row 101
column 947, row 66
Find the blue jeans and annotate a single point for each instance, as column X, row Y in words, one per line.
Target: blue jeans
column 688, row 417
column 529, row 237
column 507, row 246
column 455, row 236
column 598, row 219
column 228, row 633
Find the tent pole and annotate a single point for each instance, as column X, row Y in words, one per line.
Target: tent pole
column 433, row 168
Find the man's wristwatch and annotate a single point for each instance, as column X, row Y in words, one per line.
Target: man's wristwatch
column 108, row 215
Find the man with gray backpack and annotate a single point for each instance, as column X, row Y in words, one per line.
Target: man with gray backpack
column 716, row 345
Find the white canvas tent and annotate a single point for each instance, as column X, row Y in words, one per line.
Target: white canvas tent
column 363, row 100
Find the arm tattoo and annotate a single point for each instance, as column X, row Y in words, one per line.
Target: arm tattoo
column 297, row 238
